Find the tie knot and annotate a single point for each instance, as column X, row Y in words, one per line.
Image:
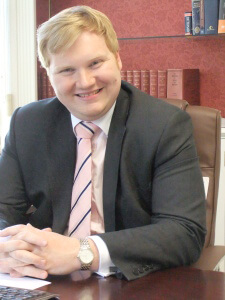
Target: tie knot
column 85, row 130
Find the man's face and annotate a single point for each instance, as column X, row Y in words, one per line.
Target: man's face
column 86, row 77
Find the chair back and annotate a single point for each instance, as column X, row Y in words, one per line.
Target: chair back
column 207, row 133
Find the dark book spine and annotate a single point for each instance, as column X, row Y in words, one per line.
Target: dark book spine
column 221, row 24
column 211, row 16
column 44, row 93
column 188, row 23
column 196, row 17
column 202, row 17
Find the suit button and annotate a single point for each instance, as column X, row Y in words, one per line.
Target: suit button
column 146, row 268
column 141, row 270
column 135, row 272
column 150, row 266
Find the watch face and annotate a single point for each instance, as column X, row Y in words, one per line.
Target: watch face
column 86, row 256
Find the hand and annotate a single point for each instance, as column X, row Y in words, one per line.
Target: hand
column 52, row 252
column 61, row 252
column 16, row 252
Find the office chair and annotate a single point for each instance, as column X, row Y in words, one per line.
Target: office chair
column 207, row 133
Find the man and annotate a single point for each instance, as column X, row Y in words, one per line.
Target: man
column 146, row 185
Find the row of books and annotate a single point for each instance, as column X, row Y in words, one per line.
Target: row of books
column 171, row 83
column 47, row 90
column 206, row 17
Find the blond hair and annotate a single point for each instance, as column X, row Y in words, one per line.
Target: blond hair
column 61, row 31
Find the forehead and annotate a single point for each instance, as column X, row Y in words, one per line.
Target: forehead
column 86, row 45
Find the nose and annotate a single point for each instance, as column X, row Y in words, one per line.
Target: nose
column 84, row 79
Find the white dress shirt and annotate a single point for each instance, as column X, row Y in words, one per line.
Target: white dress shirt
column 99, row 142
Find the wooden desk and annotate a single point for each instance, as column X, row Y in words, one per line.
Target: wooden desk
column 178, row 283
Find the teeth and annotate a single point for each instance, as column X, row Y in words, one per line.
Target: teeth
column 90, row 94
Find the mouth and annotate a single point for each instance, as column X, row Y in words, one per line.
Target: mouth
column 84, row 95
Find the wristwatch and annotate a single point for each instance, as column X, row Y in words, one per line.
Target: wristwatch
column 85, row 254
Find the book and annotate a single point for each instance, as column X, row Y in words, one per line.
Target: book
column 162, row 83
column 153, row 78
column 145, row 81
column 184, row 84
column 47, row 90
column 211, row 13
column 202, row 17
column 196, row 17
column 188, row 23
column 44, row 80
column 221, row 23
column 123, row 75
column 130, row 76
column 137, row 79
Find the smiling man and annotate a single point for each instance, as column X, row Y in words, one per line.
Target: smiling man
column 103, row 177
column 86, row 77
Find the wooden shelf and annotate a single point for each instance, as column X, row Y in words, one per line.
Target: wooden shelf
column 172, row 36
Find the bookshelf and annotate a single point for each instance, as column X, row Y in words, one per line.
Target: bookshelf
column 174, row 36
column 152, row 37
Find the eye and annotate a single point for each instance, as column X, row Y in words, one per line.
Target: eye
column 67, row 70
column 95, row 63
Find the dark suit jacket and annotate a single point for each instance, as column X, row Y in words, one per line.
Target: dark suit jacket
column 153, row 197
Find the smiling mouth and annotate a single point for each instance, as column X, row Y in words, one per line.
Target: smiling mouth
column 83, row 95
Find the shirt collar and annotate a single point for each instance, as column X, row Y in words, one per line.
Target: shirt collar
column 103, row 122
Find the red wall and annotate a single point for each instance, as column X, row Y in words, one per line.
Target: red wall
column 140, row 18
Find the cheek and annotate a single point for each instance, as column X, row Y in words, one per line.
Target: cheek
column 111, row 76
column 62, row 85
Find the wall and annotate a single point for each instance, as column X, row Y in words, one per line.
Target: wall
column 159, row 18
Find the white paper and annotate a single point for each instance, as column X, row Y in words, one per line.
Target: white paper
column 23, row 283
column 206, row 185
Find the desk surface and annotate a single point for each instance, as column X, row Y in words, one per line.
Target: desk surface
column 178, row 283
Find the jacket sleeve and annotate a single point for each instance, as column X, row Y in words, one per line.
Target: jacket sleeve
column 13, row 202
column 176, row 231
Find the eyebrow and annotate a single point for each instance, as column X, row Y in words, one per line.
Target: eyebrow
column 63, row 67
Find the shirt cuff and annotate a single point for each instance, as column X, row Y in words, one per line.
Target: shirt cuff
column 105, row 261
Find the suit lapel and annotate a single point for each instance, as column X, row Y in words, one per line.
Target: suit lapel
column 61, row 151
column 112, row 159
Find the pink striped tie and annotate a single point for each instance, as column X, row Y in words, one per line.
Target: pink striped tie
column 80, row 215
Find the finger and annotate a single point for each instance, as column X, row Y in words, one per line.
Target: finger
column 13, row 245
column 32, row 271
column 26, row 233
column 9, row 263
column 28, row 258
column 15, row 274
column 47, row 229
column 4, row 267
column 12, row 230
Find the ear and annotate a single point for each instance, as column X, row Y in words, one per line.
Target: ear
column 118, row 60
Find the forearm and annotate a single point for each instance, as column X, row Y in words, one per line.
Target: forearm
column 167, row 243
